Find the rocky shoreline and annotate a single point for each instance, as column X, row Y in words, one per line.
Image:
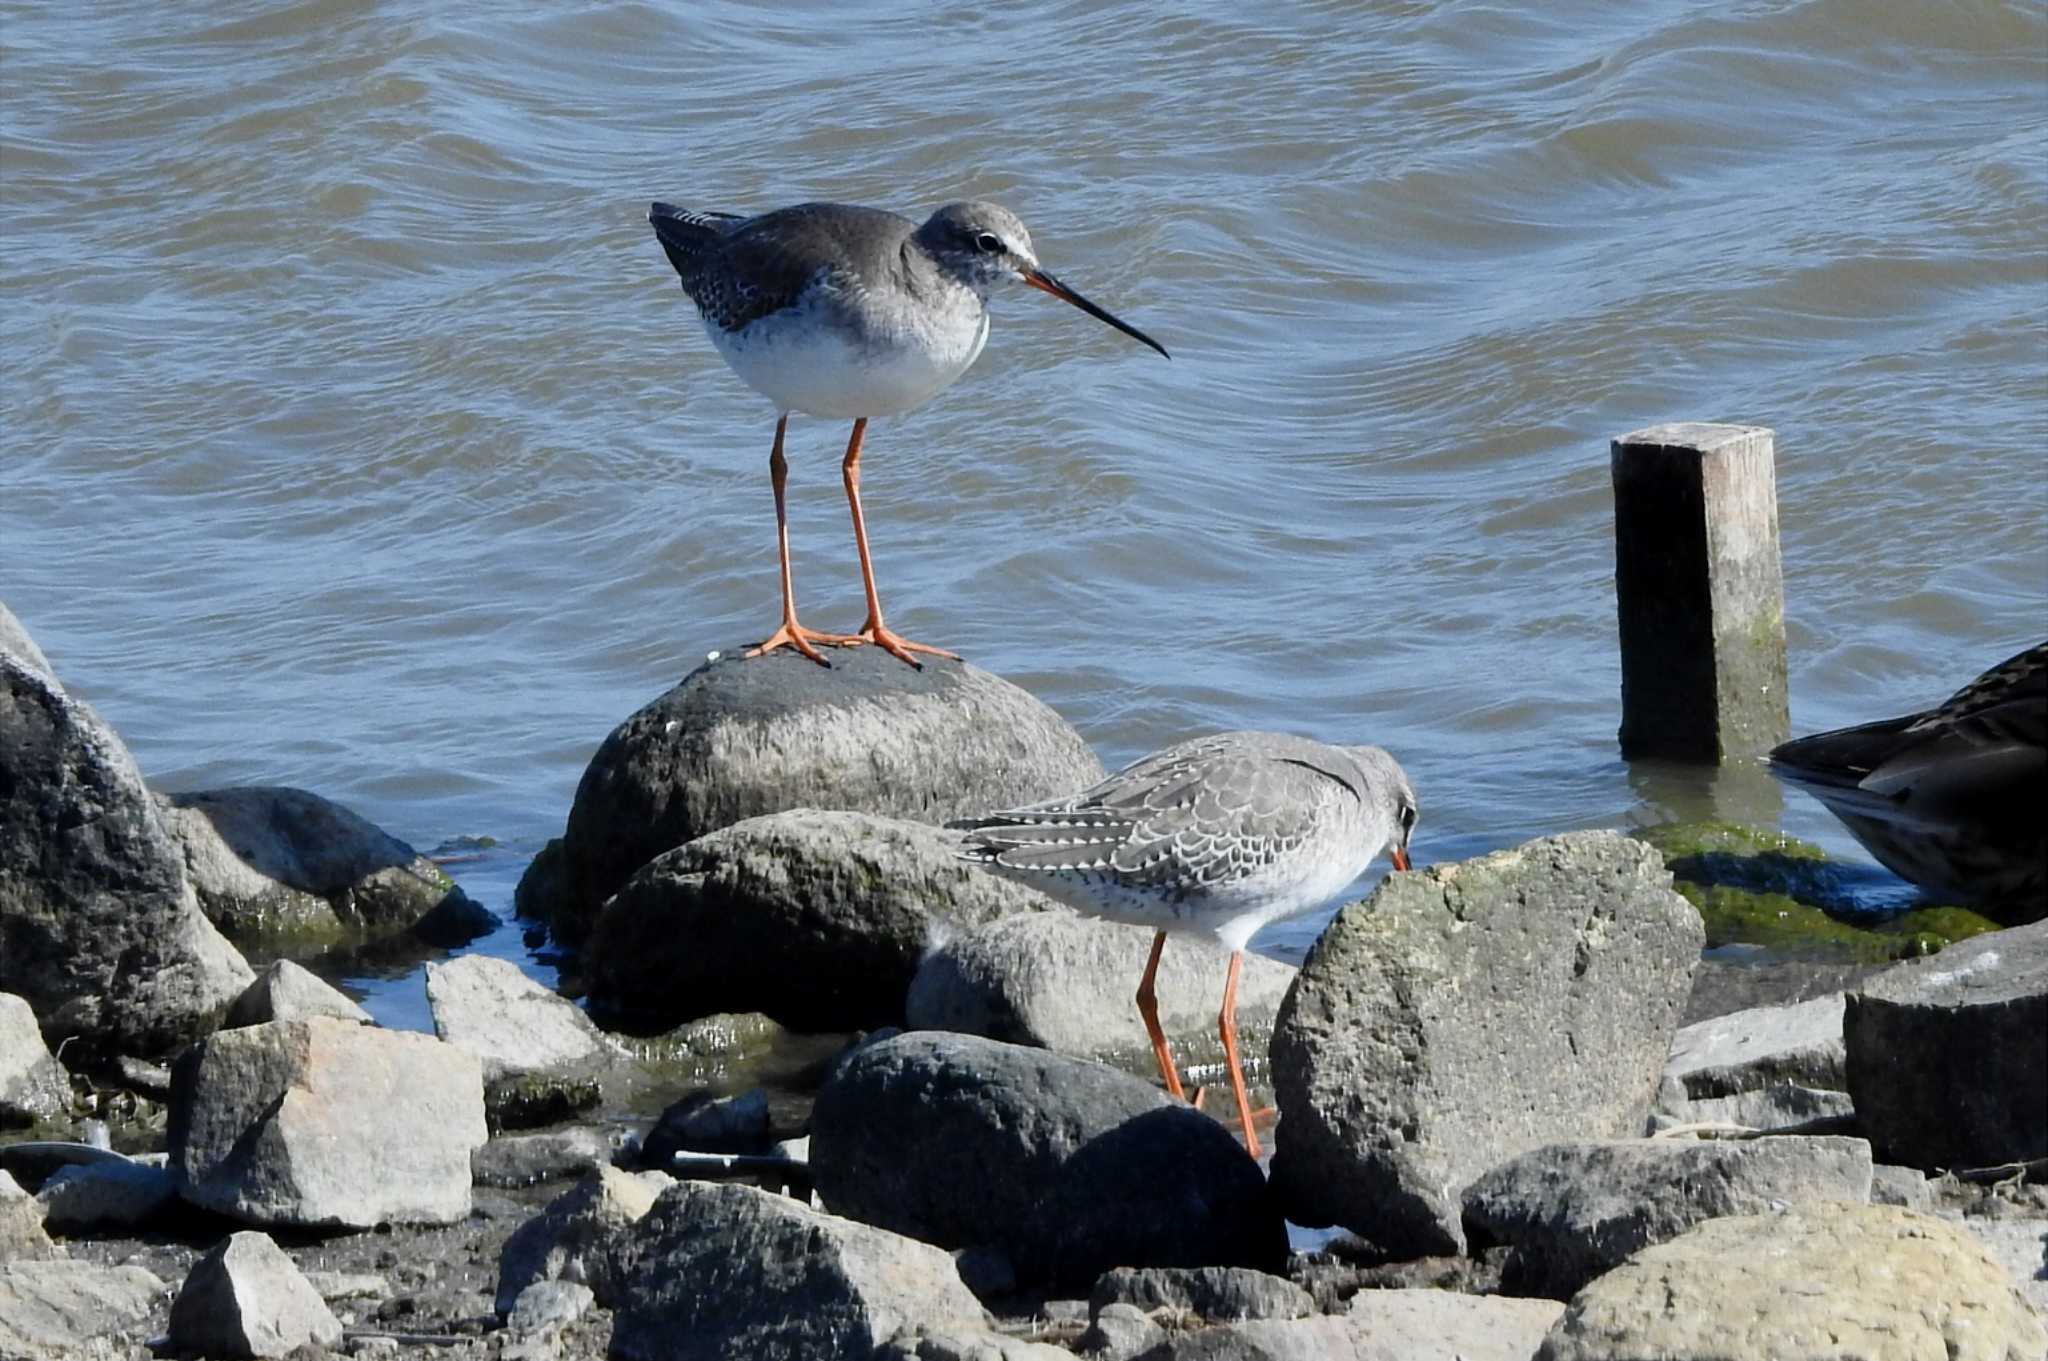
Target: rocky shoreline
column 1492, row 1080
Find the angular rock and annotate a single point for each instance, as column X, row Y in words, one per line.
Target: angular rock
column 1772, row 1108
column 1220, row 1294
column 740, row 738
column 291, row 992
column 1382, row 1325
column 923, row 1345
column 2018, row 1245
column 578, row 1237
column 105, row 1195
column 549, row 1304
column 22, row 1237
column 721, row 1271
column 1067, row 983
column 1891, row 1184
column 281, row 865
column 1948, row 1056
column 704, row 1123
column 529, row 1159
column 32, row 1083
column 818, row 919
column 1815, row 1283
column 1119, row 1332
column 99, row 929
column 1762, row 1047
column 58, row 1311
column 326, row 1123
column 1067, row 1167
column 246, row 1298
column 16, row 643
column 488, row 1008
column 1470, row 1012
column 1569, row 1212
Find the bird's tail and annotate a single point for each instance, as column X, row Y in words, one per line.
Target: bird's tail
column 684, row 234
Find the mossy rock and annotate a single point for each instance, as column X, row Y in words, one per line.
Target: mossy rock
column 1760, row 887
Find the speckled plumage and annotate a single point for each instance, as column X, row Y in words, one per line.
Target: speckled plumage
column 1949, row 798
column 1220, row 834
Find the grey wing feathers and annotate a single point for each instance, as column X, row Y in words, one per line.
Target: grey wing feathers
column 733, row 275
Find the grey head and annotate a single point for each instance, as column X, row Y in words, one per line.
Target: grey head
column 983, row 244
column 1383, row 775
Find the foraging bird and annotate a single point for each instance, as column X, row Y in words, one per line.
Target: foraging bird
column 1953, row 799
column 1216, row 836
column 835, row 310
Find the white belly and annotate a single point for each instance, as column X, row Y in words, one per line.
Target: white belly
column 802, row 362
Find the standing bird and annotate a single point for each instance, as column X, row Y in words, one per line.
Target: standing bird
column 1217, row 836
column 1950, row 798
column 835, row 310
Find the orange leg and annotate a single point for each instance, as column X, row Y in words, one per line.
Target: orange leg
column 1148, row 1007
column 874, row 631
column 791, row 634
column 1226, row 1025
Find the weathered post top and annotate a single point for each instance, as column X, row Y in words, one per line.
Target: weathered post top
column 1700, row 592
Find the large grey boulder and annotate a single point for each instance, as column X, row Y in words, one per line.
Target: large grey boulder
column 287, row 868
column 1066, row 1167
column 99, row 928
column 1569, row 1212
column 1758, row 1048
column 32, row 1083
column 1068, row 983
column 579, row 1237
column 721, row 1271
column 62, row 1310
column 246, row 1298
column 738, row 738
column 285, row 991
column 1470, row 1012
column 324, row 1123
column 1814, row 1283
column 514, row 1025
column 1948, row 1056
column 816, row 918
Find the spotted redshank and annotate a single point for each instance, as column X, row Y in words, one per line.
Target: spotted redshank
column 1949, row 798
column 835, row 310
column 1215, row 836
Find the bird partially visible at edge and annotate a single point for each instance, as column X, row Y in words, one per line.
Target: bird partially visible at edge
column 836, row 310
column 1953, row 799
column 1217, row 837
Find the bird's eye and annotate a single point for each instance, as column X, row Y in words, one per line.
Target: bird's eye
column 1407, row 818
column 988, row 243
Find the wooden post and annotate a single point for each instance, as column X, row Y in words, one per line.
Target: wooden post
column 1700, row 591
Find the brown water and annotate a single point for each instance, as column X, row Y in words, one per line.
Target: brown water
column 356, row 434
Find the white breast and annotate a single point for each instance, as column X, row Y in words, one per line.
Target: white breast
column 805, row 359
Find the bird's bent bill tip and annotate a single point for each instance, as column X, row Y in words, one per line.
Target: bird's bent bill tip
column 1046, row 283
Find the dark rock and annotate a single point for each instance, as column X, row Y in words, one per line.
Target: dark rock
column 722, row 1271
column 1219, row 1294
column 487, row 1007
column 1470, row 1012
column 1569, row 1212
column 1813, row 1283
column 818, row 919
column 1068, row 1167
column 704, row 1123
column 326, row 1123
column 532, row 1100
column 32, row 1083
column 741, row 738
column 1948, row 1056
column 290, row 992
column 22, row 1236
column 1783, row 1107
column 580, row 1236
column 61, row 1310
column 99, row 929
column 107, row 1195
column 1067, row 983
column 528, row 1159
column 1891, row 1184
column 246, row 1298
column 283, row 866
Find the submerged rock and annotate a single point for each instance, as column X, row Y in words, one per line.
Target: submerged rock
column 1470, row 1012
column 818, row 919
column 91, row 883
column 740, row 738
column 287, row 868
column 1069, row 1168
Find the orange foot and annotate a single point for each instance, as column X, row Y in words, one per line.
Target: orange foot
column 896, row 645
column 793, row 634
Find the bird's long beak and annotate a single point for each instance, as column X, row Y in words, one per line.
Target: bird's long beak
column 1044, row 282
column 1400, row 857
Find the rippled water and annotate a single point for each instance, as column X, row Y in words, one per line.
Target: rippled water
column 356, row 434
